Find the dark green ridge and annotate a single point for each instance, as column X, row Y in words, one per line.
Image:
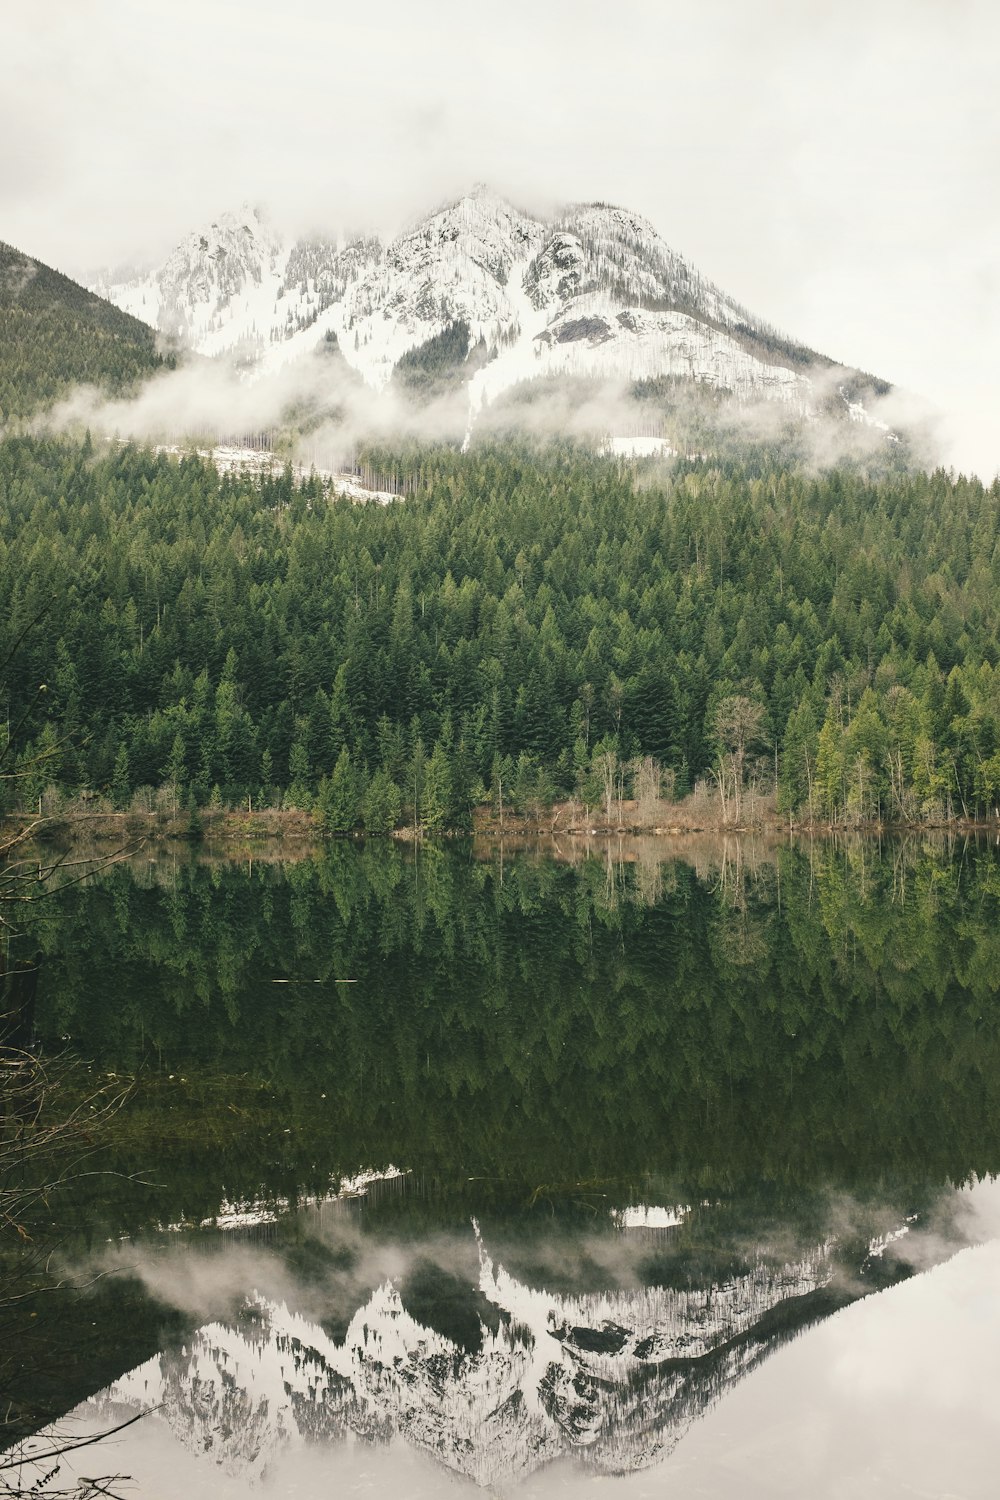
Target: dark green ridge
column 54, row 335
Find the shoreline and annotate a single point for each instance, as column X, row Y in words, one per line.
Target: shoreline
column 293, row 832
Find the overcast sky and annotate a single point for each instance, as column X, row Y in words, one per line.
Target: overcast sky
column 834, row 166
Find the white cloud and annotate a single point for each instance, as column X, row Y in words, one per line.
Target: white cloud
column 835, row 168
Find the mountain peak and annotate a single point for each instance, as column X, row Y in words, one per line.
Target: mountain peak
column 592, row 291
column 483, row 190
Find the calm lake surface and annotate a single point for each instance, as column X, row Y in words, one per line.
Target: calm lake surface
column 445, row 1172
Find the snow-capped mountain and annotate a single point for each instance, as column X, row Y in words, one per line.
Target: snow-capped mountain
column 214, row 288
column 614, row 1378
column 594, row 292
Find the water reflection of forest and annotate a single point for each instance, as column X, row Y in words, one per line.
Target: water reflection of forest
column 794, row 1010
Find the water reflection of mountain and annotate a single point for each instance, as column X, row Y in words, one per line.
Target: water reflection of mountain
column 613, row 1377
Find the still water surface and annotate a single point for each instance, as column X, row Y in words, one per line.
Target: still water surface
column 443, row 1175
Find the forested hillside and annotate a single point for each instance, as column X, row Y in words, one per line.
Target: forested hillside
column 54, row 334
column 440, row 363
column 535, row 620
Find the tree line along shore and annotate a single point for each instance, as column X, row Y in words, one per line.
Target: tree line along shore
column 532, row 629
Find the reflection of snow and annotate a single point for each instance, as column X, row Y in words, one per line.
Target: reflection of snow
column 613, row 1377
column 247, row 1213
column 649, row 1216
column 354, row 1187
column 653, row 1323
column 881, row 1243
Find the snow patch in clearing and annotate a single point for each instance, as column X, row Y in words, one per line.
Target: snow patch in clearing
column 638, row 447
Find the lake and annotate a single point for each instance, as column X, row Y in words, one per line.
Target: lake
column 535, row 1171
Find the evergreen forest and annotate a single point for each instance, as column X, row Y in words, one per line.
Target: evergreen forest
column 532, row 623
column 55, row 335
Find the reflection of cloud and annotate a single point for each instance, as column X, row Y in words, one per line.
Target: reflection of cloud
column 894, row 1396
column 884, row 1356
column 977, row 1210
column 943, row 1308
column 650, row 1216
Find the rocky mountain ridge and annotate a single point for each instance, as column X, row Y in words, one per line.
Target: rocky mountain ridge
column 593, row 292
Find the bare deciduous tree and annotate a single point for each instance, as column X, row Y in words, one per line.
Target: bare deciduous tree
column 737, row 726
column 606, row 767
column 648, row 781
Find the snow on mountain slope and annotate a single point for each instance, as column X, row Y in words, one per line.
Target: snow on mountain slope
column 596, row 292
column 216, row 289
column 459, row 264
column 600, row 247
column 593, row 336
column 237, row 288
column 619, row 303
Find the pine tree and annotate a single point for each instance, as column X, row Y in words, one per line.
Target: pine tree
column 121, row 787
column 339, row 799
column 381, row 804
column 437, row 800
column 298, row 794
